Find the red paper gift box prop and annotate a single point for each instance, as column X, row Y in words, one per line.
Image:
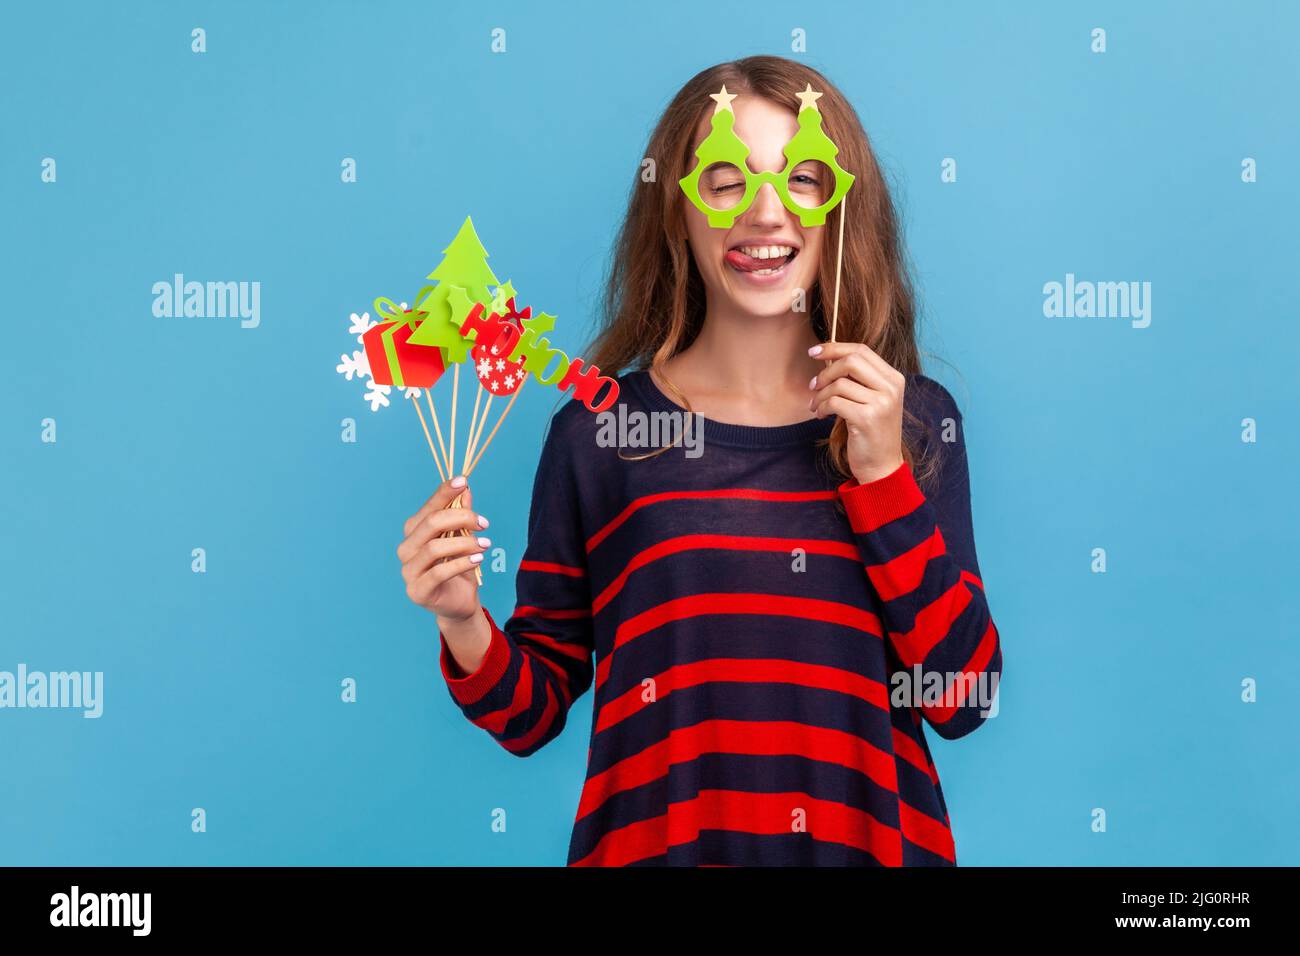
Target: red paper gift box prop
column 393, row 361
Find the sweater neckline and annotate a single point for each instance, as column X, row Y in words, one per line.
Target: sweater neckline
column 726, row 433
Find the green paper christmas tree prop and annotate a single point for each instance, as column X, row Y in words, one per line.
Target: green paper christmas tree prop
column 464, row 266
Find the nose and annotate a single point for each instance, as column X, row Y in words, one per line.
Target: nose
column 767, row 209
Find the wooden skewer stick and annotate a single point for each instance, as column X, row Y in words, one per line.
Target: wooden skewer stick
column 492, row 434
column 475, row 426
column 437, row 430
column 463, row 532
column 473, row 423
column 427, row 437
column 839, row 259
column 455, row 390
column 482, row 421
column 478, row 572
column 451, row 461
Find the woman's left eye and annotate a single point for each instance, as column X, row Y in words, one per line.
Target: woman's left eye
column 808, row 183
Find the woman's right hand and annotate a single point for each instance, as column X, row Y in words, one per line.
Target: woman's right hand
column 439, row 571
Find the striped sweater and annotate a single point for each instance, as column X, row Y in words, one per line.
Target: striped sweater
column 745, row 619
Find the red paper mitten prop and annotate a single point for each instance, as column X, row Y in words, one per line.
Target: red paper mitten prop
column 495, row 371
column 492, row 364
column 394, row 361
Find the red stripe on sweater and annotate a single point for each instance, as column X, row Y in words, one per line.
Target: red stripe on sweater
column 904, row 574
column 538, row 729
column 955, row 694
column 742, row 671
column 756, row 738
column 469, row 689
column 747, row 494
column 552, row 614
column 905, row 748
column 721, row 542
column 549, row 568
column 927, row 832
column 561, row 678
column 771, row 814
column 879, row 502
column 932, row 624
column 495, row 721
column 813, row 609
column 578, row 652
column 923, row 830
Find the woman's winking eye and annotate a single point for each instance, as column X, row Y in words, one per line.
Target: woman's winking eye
column 722, row 186
column 721, row 177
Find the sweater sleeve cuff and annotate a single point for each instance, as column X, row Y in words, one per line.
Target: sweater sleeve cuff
column 468, row 688
column 879, row 502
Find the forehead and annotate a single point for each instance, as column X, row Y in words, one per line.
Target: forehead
column 764, row 126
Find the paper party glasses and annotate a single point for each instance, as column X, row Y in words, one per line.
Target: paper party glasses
column 722, row 186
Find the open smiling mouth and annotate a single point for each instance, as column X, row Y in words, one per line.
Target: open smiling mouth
column 760, row 260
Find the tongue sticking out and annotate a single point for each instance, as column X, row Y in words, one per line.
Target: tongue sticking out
column 738, row 260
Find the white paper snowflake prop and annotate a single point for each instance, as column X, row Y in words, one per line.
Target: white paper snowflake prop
column 377, row 395
column 357, row 366
column 354, row 364
column 361, row 324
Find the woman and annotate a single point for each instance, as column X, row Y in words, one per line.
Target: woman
column 749, row 610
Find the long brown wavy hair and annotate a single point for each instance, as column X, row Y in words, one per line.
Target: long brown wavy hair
column 655, row 301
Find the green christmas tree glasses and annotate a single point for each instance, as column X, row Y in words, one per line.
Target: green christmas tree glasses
column 722, row 186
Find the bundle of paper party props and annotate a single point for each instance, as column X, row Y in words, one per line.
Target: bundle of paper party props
column 722, row 186
column 466, row 314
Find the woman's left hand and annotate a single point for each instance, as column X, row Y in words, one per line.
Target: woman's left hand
column 867, row 392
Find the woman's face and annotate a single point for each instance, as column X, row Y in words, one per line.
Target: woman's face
column 757, row 265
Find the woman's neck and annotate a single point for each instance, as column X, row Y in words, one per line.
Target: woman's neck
column 746, row 369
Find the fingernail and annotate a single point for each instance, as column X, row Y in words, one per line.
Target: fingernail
column 484, row 542
column 482, row 522
column 458, row 481
column 813, row 383
column 815, row 350
column 475, row 558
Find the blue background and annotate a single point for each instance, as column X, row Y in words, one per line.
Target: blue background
column 1121, row 691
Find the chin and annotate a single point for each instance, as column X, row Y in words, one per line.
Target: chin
column 774, row 299
column 766, row 304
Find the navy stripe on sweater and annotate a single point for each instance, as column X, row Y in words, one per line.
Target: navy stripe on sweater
column 740, row 618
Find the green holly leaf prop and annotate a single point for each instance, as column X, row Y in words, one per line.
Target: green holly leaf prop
column 460, row 305
column 501, row 300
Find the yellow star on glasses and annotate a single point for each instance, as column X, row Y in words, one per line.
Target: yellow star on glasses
column 723, row 100
column 808, row 98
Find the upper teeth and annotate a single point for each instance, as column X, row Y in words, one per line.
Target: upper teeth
column 766, row 252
